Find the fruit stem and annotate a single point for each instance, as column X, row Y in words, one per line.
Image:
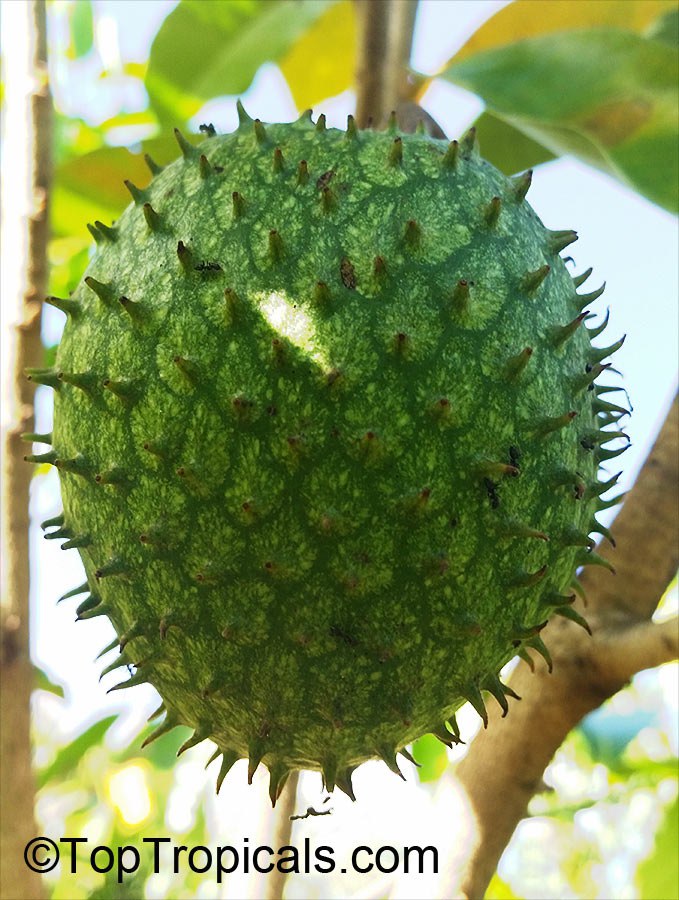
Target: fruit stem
column 285, row 809
column 385, row 35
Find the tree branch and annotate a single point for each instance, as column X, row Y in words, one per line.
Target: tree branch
column 27, row 154
column 275, row 883
column 646, row 532
column 623, row 653
column 508, row 760
column 385, row 35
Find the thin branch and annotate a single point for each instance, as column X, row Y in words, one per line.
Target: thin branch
column 507, row 761
column 275, row 883
column 25, row 234
column 624, row 652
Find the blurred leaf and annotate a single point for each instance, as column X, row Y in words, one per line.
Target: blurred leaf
column 506, row 147
column 65, row 889
column 91, row 186
column 131, row 887
column 518, row 21
column 431, row 754
column 136, row 69
column 499, row 890
column 132, row 69
column 643, row 773
column 42, row 682
column 73, row 137
column 322, row 62
column 162, row 753
column 562, row 812
column 67, row 759
column 658, row 875
column 205, row 49
column 49, row 358
column 81, row 22
column 666, row 28
column 605, row 95
column 126, row 120
column 42, row 469
column 130, row 128
column 68, row 258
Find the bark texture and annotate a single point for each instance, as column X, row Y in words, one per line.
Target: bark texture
column 25, row 234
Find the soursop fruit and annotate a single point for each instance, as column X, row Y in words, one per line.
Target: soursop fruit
column 328, row 435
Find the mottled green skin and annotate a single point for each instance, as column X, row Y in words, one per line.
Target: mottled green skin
column 328, row 573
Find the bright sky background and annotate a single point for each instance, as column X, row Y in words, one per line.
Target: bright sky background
column 631, row 243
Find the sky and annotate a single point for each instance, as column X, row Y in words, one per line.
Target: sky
column 631, row 243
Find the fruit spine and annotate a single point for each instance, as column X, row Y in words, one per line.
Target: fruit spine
column 328, row 433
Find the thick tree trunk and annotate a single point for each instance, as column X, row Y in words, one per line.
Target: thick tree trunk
column 27, row 170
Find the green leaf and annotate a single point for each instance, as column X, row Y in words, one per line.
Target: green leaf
column 73, row 137
column 49, row 358
column 666, row 28
column 499, row 890
column 131, row 888
column 82, row 28
column 508, row 147
column 430, row 753
column 658, row 875
column 68, row 258
column 133, row 69
column 206, row 49
column 605, row 95
column 42, row 469
column 91, row 186
column 130, row 120
column 67, row 759
column 517, row 21
column 42, row 682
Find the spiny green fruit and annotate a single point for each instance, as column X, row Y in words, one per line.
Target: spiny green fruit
column 328, row 438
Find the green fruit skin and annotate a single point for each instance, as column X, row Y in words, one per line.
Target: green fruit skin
column 316, row 488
